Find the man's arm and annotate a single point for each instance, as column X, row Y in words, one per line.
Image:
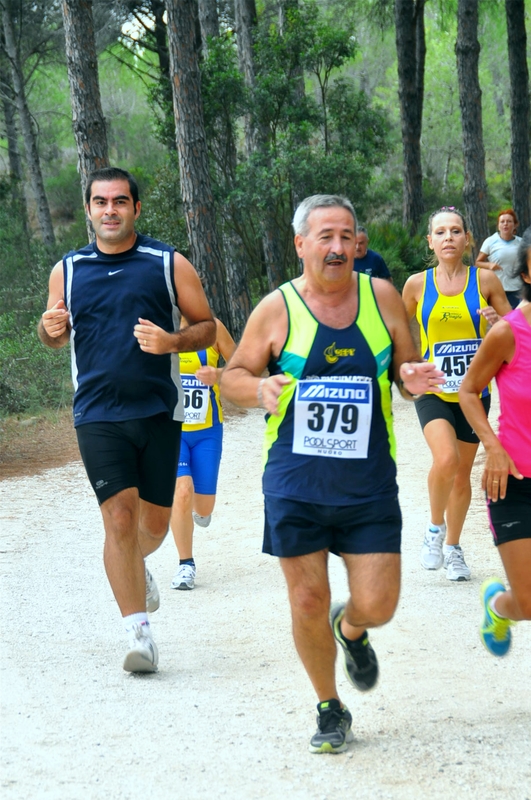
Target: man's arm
column 193, row 305
column 225, row 345
column 262, row 338
column 412, row 375
column 54, row 325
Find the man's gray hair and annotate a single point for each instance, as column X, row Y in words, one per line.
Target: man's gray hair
column 300, row 218
column 361, row 229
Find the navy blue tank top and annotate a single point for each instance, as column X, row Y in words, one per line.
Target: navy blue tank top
column 114, row 380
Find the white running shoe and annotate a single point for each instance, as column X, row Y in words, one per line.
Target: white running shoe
column 203, row 522
column 184, row 578
column 431, row 555
column 152, row 593
column 143, row 655
column 454, row 564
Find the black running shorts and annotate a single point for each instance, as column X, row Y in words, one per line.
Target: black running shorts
column 430, row 407
column 510, row 518
column 293, row 528
column 141, row 453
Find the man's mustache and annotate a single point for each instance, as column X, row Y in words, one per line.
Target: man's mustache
column 335, row 257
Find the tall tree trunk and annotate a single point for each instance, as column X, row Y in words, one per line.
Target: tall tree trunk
column 411, row 57
column 196, row 188
column 257, row 140
column 475, row 185
column 88, row 121
column 26, row 125
column 208, row 21
column 520, row 114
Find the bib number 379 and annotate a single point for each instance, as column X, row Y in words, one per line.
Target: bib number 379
column 333, row 417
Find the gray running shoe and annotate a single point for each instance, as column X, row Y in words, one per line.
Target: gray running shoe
column 184, row 578
column 333, row 728
column 361, row 664
column 203, row 522
column 455, row 566
column 152, row 593
column 143, row 655
column 431, row 555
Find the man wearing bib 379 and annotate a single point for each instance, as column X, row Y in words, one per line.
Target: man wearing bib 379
column 333, row 340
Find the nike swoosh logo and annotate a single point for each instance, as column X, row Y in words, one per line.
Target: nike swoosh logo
column 115, row 272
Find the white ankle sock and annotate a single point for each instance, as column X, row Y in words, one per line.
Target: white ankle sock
column 434, row 528
column 134, row 619
column 492, row 605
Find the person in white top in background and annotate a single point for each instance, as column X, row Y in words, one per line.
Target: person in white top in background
column 499, row 253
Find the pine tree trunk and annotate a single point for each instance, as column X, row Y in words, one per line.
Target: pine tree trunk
column 475, row 185
column 88, row 121
column 208, row 21
column 198, row 202
column 257, row 140
column 520, row 113
column 411, row 56
column 28, row 132
column 15, row 161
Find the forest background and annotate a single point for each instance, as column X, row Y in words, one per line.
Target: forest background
column 228, row 114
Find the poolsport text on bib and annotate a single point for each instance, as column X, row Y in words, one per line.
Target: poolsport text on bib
column 453, row 358
column 333, row 417
column 196, row 396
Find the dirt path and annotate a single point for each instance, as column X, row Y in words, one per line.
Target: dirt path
column 231, row 711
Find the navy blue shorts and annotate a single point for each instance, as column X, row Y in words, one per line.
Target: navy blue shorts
column 293, row 528
column 510, row 518
column 200, row 457
column 139, row 453
column 430, row 407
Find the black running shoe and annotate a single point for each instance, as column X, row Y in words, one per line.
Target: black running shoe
column 333, row 728
column 361, row 664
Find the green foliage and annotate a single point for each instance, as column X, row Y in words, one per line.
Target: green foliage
column 404, row 254
column 162, row 212
column 32, row 376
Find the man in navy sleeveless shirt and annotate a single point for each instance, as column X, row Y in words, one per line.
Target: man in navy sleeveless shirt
column 316, row 336
column 118, row 302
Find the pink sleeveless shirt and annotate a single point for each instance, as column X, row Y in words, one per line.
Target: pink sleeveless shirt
column 514, row 385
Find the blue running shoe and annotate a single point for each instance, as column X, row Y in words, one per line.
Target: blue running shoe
column 495, row 631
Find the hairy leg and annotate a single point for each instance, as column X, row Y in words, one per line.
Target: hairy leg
column 309, row 596
column 374, row 583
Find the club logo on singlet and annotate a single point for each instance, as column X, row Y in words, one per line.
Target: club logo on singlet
column 333, row 354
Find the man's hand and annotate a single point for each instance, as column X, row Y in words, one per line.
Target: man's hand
column 420, row 377
column 153, row 339
column 56, row 321
column 269, row 391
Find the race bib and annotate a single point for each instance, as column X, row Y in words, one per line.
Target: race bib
column 333, row 417
column 454, row 358
column 196, row 399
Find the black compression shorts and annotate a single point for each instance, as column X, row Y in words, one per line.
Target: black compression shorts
column 430, row 407
column 141, row 453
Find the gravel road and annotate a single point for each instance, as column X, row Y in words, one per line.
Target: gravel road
column 230, row 712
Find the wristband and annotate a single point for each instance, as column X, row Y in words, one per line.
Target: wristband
column 259, row 392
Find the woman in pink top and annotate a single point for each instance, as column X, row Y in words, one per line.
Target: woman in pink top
column 506, row 354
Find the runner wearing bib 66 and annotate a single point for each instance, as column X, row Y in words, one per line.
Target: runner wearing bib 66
column 453, row 304
column 333, row 341
column 200, row 453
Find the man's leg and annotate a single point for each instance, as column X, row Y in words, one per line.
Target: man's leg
column 309, row 596
column 374, row 583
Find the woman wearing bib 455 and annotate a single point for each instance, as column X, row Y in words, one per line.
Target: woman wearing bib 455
column 200, row 454
column 453, row 304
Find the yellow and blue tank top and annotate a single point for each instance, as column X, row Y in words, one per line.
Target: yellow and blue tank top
column 202, row 404
column 451, row 329
column 333, row 441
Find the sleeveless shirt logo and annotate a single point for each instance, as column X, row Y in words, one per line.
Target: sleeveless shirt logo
column 333, row 354
column 446, row 315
